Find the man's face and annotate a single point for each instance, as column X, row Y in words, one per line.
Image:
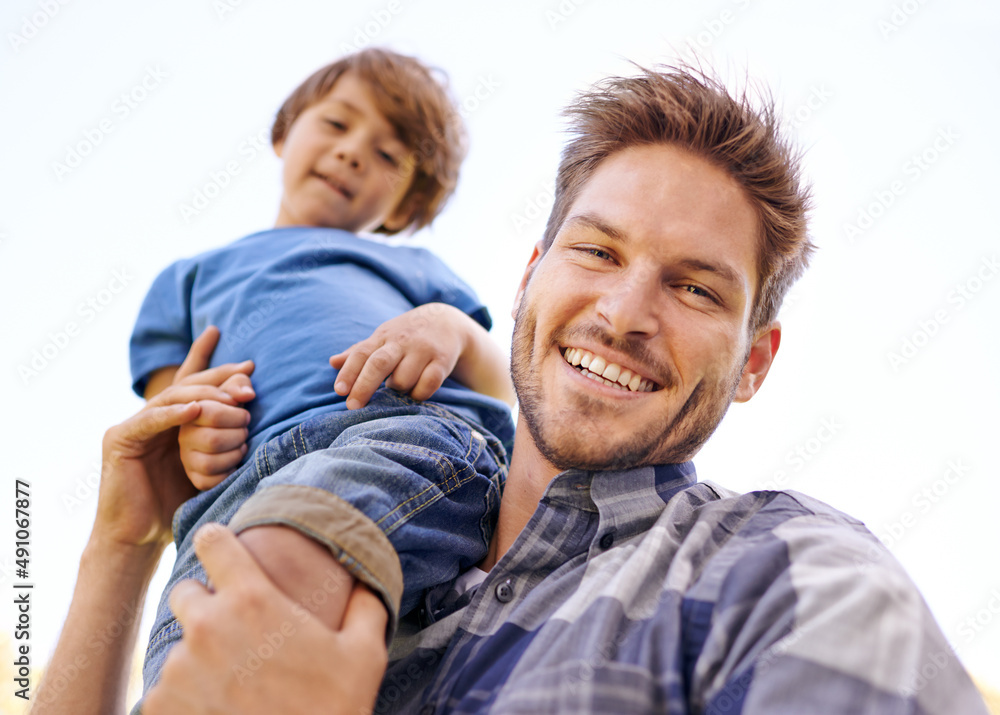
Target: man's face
column 649, row 282
column 344, row 164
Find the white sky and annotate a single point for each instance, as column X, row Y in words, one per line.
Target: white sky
column 838, row 418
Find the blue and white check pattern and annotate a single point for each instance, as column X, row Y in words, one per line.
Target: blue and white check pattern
column 647, row 592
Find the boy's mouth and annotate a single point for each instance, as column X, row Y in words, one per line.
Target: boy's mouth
column 335, row 185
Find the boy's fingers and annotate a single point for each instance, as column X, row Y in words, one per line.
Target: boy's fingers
column 239, row 387
column 218, row 414
column 217, row 376
column 430, row 380
column 211, row 441
column 379, row 366
column 227, row 562
column 200, row 354
column 218, row 458
column 203, row 482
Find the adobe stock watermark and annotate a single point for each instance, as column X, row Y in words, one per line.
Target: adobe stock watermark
column 818, row 98
column 32, row 24
column 122, row 108
column 713, row 28
column 920, row 504
column 899, row 16
column 961, row 295
column 225, row 7
column 219, row 180
column 273, row 641
column 99, row 641
column 58, row 341
column 974, row 624
column 560, row 13
column 914, row 168
column 83, row 488
column 802, row 453
column 536, row 206
column 486, row 86
column 367, row 32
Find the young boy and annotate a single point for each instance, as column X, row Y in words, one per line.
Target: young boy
column 402, row 493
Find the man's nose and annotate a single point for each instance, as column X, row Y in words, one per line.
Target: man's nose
column 629, row 304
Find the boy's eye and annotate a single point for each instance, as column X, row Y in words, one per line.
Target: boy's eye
column 336, row 124
column 386, row 156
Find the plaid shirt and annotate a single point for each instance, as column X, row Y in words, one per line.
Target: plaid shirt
column 647, row 592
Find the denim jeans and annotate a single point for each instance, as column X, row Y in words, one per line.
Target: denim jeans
column 427, row 477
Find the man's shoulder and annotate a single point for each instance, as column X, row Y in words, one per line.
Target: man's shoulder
column 755, row 526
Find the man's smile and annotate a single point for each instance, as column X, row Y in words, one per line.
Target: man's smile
column 606, row 372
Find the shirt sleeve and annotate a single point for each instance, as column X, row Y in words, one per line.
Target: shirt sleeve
column 822, row 619
column 163, row 331
column 446, row 287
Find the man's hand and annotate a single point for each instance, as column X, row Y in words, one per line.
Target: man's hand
column 142, row 480
column 214, row 444
column 416, row 351
column 247, row 648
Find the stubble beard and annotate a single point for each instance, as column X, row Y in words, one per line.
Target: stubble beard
column 672, row 441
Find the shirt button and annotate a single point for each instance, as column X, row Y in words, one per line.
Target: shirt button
column 607, row 540
column 505, row 592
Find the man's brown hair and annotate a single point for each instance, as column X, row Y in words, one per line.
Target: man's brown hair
column 418, row 107
column 687, row 108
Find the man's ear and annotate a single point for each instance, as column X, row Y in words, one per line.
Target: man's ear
column 536, row 256
column 762, row 353
column 278, row 146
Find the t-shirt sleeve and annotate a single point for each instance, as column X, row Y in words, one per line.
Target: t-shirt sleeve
column 446, row 287
column 163, row 332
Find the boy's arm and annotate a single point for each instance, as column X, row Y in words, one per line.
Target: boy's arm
column 416, row 351
column 160, row 381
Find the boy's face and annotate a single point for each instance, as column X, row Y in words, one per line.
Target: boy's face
column 344, row 165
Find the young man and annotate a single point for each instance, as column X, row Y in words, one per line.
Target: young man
column 615, row 582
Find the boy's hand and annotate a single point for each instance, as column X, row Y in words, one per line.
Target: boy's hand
column 213, row 445
column 416, row 351
column 413, row 353
column 142, row 480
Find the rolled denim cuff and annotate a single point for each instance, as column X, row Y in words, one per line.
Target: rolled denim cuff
column 354, row 539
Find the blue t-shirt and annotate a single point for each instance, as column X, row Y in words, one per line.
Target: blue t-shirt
column 288, row 299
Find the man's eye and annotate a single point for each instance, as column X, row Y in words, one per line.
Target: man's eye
column 598, row 253
column 697, row 290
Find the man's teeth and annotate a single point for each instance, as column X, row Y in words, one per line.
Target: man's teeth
column 599, row 369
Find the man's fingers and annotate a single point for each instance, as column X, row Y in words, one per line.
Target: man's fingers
column 226, row 560
column 218, row 375
column 200, row 354
column 188, row 597
column 152, row 420
column 364, row 616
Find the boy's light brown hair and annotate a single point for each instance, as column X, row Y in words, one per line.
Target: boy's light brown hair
column 416, row 104
column 685, row 107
